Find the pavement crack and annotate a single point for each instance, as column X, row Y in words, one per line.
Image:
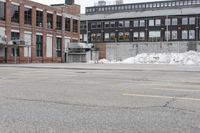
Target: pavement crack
column 169, row 102
column 181, row 109
column 101, row 106
column 80, row 104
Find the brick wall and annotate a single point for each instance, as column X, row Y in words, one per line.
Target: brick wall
column 71, row 10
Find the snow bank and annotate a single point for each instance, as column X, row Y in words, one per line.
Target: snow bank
column 188, row 58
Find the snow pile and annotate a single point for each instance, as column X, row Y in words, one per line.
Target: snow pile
column 105, row 61
column 188, row 58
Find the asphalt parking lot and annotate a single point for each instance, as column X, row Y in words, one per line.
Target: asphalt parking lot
column 99, row 98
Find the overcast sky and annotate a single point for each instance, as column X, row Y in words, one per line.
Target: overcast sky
column 86, row 3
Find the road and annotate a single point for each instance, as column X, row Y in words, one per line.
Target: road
column 89, row 98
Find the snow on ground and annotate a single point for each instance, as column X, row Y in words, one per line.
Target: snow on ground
column 188, row 58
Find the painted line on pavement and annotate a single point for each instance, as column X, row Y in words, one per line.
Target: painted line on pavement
column 186, row 90
column 164, row 97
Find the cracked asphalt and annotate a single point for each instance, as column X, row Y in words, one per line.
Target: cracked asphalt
column 99, row 98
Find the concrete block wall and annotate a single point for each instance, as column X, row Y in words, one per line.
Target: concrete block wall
column 121, row 51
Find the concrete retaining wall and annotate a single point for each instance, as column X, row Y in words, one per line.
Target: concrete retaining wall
column 120, row 51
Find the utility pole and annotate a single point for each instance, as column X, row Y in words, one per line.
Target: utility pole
column 87, row 31
column 197, row 28
column 167, row 28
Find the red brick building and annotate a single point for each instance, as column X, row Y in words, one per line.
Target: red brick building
column 45, row 30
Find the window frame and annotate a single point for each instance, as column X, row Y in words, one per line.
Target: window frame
column 15, row 13
column 67, row 24
column 58, row 46
column 39, row 18
column 27, row 16
column 75, row 25
column 15, row 36
column 2, row 11
column 39, row 45
column 58, row 22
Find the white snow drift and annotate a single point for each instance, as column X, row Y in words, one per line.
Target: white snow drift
column 188, row 58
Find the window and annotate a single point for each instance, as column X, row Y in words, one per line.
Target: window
column 2, row 10
column 127, row 24
column 39, row 18
column 39, row 45
column 15, row 36
column 184, row 34
column 112, row 37
column 127, row 36
column 167, row 35
column 181, row 3
column 96, row 37
column 99, row 37
column 167, row 21
column 174, row 35
column 67, row 24
column 191, row 34
column 142, row 36
column 192, row 20
column 75, row 25
column 59, row 47
column 49, row 21
column 82, row 26
column 185, row 3
column 93, row 37
column 93, row 25
column 158, row 22
column 98, row 25
column 142, row 23
column 112, row 24
column 81, row 37
column 174, row 21
column 59, row 22
column 28, row 16
column 121, row 24
column 106, row 24
column 14, row 13
column 106, row 37
column 121, row 36
column 135, row 35
column 135, row 23
column 184, row 21
column 151, row 23
column 154, row 36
